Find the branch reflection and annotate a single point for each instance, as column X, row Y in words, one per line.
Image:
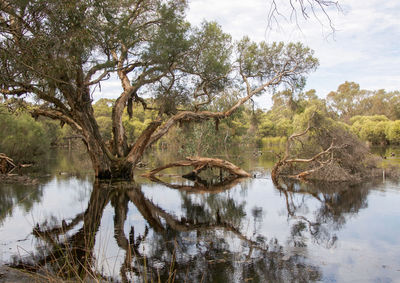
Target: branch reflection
column 209, row 242
column 336, row 201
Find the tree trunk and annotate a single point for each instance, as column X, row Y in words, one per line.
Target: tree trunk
column 105, row 168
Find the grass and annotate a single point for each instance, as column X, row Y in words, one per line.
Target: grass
column 62, row 264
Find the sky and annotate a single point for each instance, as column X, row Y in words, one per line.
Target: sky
column 364, row 48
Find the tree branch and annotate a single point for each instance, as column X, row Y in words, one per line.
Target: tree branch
column 142, row 142
column 189, row 116
column 56, row 115
column 96, row 68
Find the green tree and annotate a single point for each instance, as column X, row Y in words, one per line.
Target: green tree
column 345, row 100
column 393, row 132
column 371, row 128
column 349, row 100
column 57, row 51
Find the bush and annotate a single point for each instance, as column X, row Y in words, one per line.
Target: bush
column 393, row 132
column 371, row 128
column 21, row 137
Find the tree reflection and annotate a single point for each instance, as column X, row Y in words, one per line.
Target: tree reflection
column 209, row 242
column 22, row 195
column 72, row 255
column 336, row 201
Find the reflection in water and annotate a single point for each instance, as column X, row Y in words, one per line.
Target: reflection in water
column 12, row 195
column 335, row 202
column 226, row 231
column 210, row 242
column 25, row 194
column 202, row 186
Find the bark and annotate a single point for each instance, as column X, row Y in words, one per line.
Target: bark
column 119, row 137
column 104, row 163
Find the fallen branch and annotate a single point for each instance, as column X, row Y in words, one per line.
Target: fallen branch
column 316, row 158
column 199, row 164
column 7, row 165
column 322, row 158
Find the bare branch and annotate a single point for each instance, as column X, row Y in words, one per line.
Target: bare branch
column 303, row 7
column 96, row 68
column 56, row 115
column 141, row 143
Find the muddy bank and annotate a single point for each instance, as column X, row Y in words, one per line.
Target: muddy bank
column 8, row 275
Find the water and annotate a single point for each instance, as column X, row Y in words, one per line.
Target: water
column 251, row 231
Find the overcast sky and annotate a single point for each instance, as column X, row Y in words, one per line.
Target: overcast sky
column 365, row 47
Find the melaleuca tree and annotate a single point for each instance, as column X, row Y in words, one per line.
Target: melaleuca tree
column 55, row 53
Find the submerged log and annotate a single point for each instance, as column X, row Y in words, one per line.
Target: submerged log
column 199, row 164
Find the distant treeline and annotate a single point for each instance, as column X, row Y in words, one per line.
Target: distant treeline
column 374, row 116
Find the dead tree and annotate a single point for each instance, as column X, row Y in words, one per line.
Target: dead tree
column 313, row 164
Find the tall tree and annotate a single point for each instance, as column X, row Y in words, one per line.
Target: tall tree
column 57, row 52
column 346, row 99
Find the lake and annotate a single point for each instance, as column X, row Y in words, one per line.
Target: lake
column 172, row 230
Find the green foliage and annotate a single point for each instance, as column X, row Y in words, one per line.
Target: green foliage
column 283, row 127
column 343, row 100
column 260, row 61
column 133, row 126
column 393, row 132
column 290, row 113
column 266, row 127
column 212, row 52
column 21, row 137
column 349, row 101
column 371, row 128
column 363, row 119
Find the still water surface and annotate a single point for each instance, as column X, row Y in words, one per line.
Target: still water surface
column 250, row 231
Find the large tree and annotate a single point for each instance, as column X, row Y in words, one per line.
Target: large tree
column 56, row 53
